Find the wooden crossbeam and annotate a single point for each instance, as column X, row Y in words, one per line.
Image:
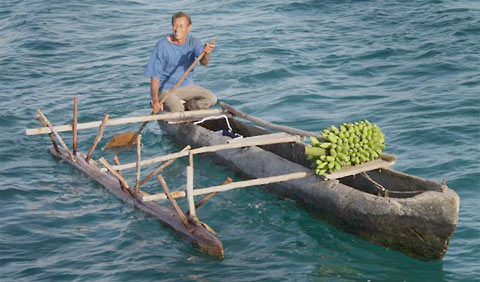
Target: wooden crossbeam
column 127, row 120
column 261, row 137
column 253, row 182
column 261, row 122
column 233, row 185
column 246, row 142
column 384, row 161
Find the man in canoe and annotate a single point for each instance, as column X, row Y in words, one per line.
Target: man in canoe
column 172, row 56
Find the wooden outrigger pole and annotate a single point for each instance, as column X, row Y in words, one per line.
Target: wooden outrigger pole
column 126, row 120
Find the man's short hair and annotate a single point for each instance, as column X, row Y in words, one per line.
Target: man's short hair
column 181, row 15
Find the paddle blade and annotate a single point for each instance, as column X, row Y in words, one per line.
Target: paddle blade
column 121, row 140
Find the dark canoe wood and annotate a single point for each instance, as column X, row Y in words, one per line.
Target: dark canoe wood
column 200, row 237
column 418, row 218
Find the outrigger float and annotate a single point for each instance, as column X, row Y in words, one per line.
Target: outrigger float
column 399, row 211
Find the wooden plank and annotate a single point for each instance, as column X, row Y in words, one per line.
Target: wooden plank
column 283, row 128
column 209, row 149
column 127, row 120
column 253, row 182
column 162, row 196
column 261, row 137
column 233, row 185
column 384, row 161
column 245, row 143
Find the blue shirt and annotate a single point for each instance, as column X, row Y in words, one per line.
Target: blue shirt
column 168, row 61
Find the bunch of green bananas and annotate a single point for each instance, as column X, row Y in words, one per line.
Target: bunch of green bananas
column 350, row 144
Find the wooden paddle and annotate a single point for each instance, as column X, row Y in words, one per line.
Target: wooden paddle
column 129, row 138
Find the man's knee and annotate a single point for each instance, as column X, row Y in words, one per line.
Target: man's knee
column 173, row 103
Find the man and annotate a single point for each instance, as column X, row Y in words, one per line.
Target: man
column 171, row 57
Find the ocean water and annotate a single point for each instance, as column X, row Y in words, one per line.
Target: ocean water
column 413, row 67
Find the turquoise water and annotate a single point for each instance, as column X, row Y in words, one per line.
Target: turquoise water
column 412, row 67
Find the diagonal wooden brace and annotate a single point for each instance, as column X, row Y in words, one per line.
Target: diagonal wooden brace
column 114, row 172
column 43, row 119
column 178, row 210
column 101, row 129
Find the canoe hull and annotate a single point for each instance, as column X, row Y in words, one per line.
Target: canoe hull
column 420, row 226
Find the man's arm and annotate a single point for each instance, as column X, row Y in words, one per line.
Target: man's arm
column 154, row 85
column 208, row 48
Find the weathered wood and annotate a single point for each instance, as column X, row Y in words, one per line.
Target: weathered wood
column 178, row 210
column 49, row 125
column 54, row 143
column 191, row 202
column 127, row 120
column 253, row 182
column 114, row 172
column 101, row 129
column 384, row 161
column 182, row 194
column 139, row 159
column 234, row 185
column 260, row 137
column 201, row 237
column 159, row 169
column 75, row 121
column 190, row 158
column 261, row 122
column 240, row 144
column 117, row 162
column 162, row 196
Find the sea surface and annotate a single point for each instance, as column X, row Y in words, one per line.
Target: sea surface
column 412, row 67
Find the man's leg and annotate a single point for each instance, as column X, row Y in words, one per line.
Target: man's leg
column 173, row 103
column 196, row 97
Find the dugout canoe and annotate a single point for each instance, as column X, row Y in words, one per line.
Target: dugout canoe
column 418, row 217
column 197, row 233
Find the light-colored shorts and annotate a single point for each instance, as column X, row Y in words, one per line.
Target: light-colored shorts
column 193, row 96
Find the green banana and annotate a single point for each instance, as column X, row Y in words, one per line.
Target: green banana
column 349, row 144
